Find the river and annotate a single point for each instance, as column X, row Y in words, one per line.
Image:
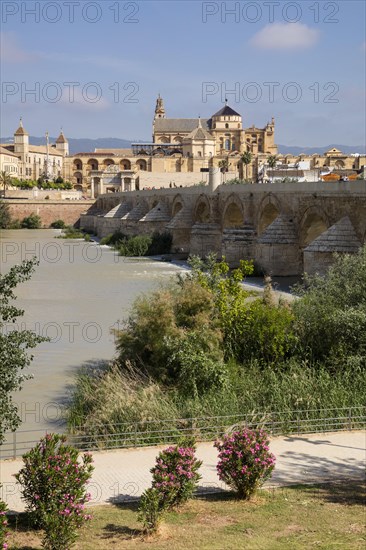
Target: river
column 78, row 293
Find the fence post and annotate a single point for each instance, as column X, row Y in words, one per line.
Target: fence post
column 350, row 419
column 298, row 424
column 135, row 434
column 14, row 445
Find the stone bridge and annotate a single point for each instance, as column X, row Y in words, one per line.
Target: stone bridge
column 285, row 228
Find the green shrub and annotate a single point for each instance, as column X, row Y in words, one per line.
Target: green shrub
column 58, row 224
column 197, row 364
column 151, row 510
column 15, row 224
column 160, row 244
column 140, row 245
column 31, row 222
column 53, row 485
column 70, row 232
column 259, row 331
column 113, row 238
column 135, row 246
column 245, row 462
column 330, row 317
column 159, row 322
column 5, row 217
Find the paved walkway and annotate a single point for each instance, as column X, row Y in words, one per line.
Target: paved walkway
column 124, row 474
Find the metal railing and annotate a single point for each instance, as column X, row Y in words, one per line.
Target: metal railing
column 159, row 432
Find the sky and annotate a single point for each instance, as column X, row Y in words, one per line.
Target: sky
column 95, row 68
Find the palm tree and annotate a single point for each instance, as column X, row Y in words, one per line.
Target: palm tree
column 5, row 179
column 246, row 159
column 272, row 161
column 224, row 166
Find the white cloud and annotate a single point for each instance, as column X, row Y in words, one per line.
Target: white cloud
column 285, row 36
column 11, row 52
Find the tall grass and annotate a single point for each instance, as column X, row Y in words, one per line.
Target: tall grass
column 139, row 411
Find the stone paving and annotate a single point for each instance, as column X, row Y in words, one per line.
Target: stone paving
column 124, row 474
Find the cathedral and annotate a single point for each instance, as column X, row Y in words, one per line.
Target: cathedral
column 222, row 134
column 181, row 153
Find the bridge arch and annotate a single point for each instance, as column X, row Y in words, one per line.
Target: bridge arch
column 313, row 223
column 202, row 210
column 269, row 210
column 177, row 206
column 233, row 213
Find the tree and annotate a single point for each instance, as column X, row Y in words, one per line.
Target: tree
column 5, row 217
column 330, row 318
column 5, row 180
column 246, row 159
column 13, row 345
column 224, row 166
column 272, row 161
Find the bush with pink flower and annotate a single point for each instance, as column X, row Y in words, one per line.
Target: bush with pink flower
column 53, row 484
column 3, row 526
column 245, row 461
column 175, row 477
column 175, row 474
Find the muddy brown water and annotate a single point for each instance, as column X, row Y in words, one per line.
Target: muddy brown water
column 78, row 293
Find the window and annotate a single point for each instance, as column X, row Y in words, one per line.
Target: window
column 227, row 144
column 226, row 125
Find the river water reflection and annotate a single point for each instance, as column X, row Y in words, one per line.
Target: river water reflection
column 76, row 296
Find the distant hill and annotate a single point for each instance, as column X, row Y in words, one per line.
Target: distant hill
column 80, row 145
column 84, row 145
column 296, row 150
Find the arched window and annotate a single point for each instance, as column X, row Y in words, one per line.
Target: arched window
column 226, row 125
column 227, row 144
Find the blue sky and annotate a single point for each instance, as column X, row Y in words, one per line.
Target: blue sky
column 301, row 62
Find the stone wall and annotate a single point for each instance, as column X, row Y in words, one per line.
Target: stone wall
column 175, row 179
column 49, row 211
column 41, row 194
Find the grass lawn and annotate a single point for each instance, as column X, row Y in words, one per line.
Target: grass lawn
column 301, row 517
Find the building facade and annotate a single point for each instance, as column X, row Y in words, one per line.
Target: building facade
column 181, row 153
column 34, row 161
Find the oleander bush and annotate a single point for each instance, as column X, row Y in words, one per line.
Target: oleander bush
column 175, row 474
column 53, row 485
column 3, row 526
column 175, row 478
column 245, row 462
column 151, row 510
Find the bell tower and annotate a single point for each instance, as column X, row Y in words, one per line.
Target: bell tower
column 21, row 140
column 159, row 109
